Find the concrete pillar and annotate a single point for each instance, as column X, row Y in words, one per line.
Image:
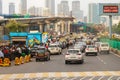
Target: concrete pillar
column 56, row 27
column 62, row 27
column 69, row 24
column 41, row 28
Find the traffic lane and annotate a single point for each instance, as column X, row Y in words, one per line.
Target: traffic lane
column 75, row 78
column 110, row 60
column 57, row 64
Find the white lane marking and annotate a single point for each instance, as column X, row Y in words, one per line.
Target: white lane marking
column 26, row 75
column 83, row 78
column 1, row 76
column 115, row 54
column 101, row 60
column 101, row 78
column 92, row 78
column 110, row 78
column 118, row 78
column 64, row 74
column 13, row 76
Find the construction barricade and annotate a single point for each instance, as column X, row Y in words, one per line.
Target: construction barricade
column 6, row 62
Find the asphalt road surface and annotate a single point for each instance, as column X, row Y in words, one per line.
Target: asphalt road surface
column 101, row 67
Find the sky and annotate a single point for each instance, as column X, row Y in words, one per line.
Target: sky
column 40, row 3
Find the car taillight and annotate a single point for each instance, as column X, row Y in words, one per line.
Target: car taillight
column 78, row 54
column 67, row 54
column 87, row 49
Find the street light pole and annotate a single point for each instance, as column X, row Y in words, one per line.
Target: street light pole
column 110, row 26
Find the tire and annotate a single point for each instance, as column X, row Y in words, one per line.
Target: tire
column 66, row 62
column 86, row 54
column 37, row 60
column 82, row 61
column 95, row 54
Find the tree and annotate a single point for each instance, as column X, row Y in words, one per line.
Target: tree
column 14, row 26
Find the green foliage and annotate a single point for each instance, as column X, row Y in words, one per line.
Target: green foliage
column 116, row 28
column 14, row 26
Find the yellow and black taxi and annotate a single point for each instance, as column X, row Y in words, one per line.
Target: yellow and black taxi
column 42, row 54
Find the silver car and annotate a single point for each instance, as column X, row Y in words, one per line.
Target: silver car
column 74, row 55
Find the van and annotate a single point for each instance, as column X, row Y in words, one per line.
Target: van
column 104, row 47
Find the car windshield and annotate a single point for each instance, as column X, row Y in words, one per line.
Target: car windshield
column 41, row 50
column 73, row 51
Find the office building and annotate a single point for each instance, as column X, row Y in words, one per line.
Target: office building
column 23, row 7
column 50, row 4
column 93, row 13
column 11, row 8
column 63, row 8
column 76, row 12
column 0, row 6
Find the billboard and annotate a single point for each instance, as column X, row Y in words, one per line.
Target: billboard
column 44, row 37
column 109, row 9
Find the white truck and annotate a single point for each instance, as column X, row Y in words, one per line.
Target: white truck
column 104, row 47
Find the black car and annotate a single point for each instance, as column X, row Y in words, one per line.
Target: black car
column 42, row 54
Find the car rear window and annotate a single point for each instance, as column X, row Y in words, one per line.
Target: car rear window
column 104, row 45
column 41, row 50
column 73, row 51
column 91, row 46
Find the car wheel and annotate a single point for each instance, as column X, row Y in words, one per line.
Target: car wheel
column 66, row 62
column 95, row 54
column 37, row 60
column 82, row 61
column 86, row 54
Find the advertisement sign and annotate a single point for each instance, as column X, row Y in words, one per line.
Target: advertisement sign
column 34, row 38
column 44, row 37
column 109, row 9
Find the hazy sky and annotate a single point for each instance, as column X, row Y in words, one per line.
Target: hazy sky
column 40, row 3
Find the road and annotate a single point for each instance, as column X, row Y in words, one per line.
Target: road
column 102, row 67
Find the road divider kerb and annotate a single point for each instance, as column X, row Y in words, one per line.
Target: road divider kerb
column 59, row 74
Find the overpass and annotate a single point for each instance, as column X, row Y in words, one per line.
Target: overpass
column 59, row 24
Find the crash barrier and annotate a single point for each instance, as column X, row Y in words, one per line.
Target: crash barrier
column 5, row 62
column 22, row 60
column 113, row 43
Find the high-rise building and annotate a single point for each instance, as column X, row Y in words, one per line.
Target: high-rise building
column 76, row 12
column 63, row 8
column 93, row 13
column 23, row 7
column 75, row 5
column 11, row 8
column 0, row 6
column 50, row 4
column 35, row 11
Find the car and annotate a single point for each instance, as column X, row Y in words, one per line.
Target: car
column 91, row 49
column 55, row 49
column 42, row 54
column 74, row 55
column 104, row 47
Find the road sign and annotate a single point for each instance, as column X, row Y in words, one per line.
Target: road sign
column 109, row 9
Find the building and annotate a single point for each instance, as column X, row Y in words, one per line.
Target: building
column 11, row 8
column 35, row 11
column 93, row 13
column 63, row 8
column 0, row 6
column 23, row 7
column 85, row 19
column 76, row 12
column 50, row 4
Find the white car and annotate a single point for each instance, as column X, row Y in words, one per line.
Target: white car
column 74, row 55
column 54, row 49
column 91, row 49
column 104, row 47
